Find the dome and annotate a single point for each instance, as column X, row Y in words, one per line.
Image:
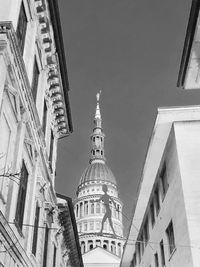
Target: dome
column 97, row 171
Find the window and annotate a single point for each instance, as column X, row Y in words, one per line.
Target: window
column 139, row 251
column 97, row 207
column 21, row 196
column 35, row 79
column 54, row 256
column 81, row 210
column 152, row 213
column 162, row 253
column 146, row 232
column 164, row 180
column 170, row 237
column 86, row 208
column 44, row 119
column 156, row 259
column 85, row 226
column 92, row 226
column 92, row 208
column 21, row 27
column 157, row 200
column 45, row 246
column 51, row 147
column 35, row 230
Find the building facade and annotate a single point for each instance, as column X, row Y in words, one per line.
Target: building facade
column 34, row 115
column 98, row 208
column 165, row 225
column 188, row 77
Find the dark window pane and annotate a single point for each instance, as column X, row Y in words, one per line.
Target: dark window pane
column 21, row 196
column 45, row 246
column 162, row 254
column 21, row 27
column 170, row 236
column 54, row 256
column 44, row 119
column 35, row 79
column 157, row 200
column 35, row 231
column 156, row 260
column 164, row 180
column 51, row 147
column 146, row 232
column 152, row 213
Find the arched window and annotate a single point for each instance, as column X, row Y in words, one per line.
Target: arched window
column 81, row 210
column 105, row 244
column 82, row 247
column 92, row 208
column 113, row 247
column 77, row 211
column 119, row 250
column 86, row 208
column 90, row 244
column 98, row 207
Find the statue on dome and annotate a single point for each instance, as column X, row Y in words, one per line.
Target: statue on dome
column 105, row 198
column 98, row 96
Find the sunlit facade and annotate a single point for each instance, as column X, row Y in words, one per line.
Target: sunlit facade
column 34, row 115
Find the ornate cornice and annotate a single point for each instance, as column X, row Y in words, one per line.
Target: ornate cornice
column 53, row 49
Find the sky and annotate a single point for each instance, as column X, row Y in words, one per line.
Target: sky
column 131, row 50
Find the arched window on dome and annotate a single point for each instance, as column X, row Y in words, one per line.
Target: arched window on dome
column 82, row 247
column 92, row 226
column 90, row 244
column 77, row 210
column 118, row 214
column 105, row 244
column 81, row 210
column 97, row 207
column 98, row 243
column 119, row 250
column 86, row 207
column 92, row 208
column 113, row 247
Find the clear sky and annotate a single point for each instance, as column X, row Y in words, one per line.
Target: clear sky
column 131, row 50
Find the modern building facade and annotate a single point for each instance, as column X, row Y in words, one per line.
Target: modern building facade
column 188, row 77
column 34, row 115
column 98, row 208
column 165, row 225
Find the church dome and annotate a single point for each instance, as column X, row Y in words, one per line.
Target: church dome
column 97, row 171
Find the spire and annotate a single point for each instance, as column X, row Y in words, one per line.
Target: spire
column 98, row 113
column 97, row 137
